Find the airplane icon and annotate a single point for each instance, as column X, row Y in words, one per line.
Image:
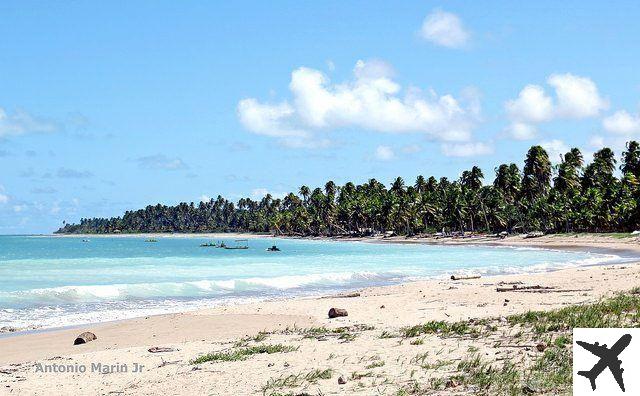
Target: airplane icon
column 608, row 358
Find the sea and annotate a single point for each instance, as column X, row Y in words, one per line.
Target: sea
column 53, row 281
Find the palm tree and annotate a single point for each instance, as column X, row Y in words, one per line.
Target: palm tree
column 537, row 173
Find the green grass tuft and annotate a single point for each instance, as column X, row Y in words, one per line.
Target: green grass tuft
column 243, row 353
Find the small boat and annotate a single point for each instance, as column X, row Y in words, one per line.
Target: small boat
column 210, row 244
column 85, row 240
column 241, row 244
column 273, row 248
column 151, row 240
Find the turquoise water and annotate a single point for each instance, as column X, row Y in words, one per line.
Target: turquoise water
column 54, row 281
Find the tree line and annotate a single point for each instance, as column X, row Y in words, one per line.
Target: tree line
column 568, row 197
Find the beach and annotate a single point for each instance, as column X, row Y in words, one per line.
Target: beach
column 365, row 348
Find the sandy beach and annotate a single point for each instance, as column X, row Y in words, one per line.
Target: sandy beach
column 365, row 348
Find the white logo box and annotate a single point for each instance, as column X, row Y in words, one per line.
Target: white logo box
column 595, row 364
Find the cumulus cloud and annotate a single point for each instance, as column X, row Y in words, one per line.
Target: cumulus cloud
column 622, row 123
column 578, row 97
column 372, row 100
column 205, row 198
column 444, row 29
column 532, row 105
column 471, row 149
column 384, row 153
column 575, row 97
column 160, row 161
column 556, row 149
column 21, row 122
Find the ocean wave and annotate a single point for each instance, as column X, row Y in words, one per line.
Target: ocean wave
column 188, row 289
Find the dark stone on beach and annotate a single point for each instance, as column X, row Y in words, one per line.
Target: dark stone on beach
column 382, row 306
column 85, row 337
column 451, row 383
column 341, row 380
column 541, row 347
column 336, row 312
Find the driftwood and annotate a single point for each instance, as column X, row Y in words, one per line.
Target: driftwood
column 346, row 295
column 336, row 312
column 537, row 289
column 85, row 337
column 463, row 277
column 555, row 290
column 519, row 288
column 160, row 349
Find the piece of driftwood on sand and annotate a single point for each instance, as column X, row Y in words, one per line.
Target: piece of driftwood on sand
column 537, row 289
column 463, row 277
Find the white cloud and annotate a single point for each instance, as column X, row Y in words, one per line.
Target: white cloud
column 575, row 98
column 471, row 149
column 205, row 198
column 522, row 131
column 267, row 119
column 259, row 193
column 622, row 123
column 372, row 100
column 578, row 97
column 4, row 198
column 445, row 29
column 21, row 122
column 385, row 153
column 556, row 149
column 532, row 105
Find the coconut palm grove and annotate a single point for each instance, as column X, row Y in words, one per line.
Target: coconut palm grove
column 567, row 197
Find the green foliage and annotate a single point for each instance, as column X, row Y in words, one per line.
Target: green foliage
column 582, row 198
column 243, row 353
column 439, row 327
column 619, row 311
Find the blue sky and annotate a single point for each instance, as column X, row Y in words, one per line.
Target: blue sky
column 110, row 107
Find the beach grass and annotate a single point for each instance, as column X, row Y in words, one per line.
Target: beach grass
column 243, row 353
column 622, row 310
column 549, row 372
column 440, row 327
column 295, row 380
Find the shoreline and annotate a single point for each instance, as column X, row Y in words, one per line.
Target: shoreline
column 628, row 242
column 625, row 255
column 628, row 252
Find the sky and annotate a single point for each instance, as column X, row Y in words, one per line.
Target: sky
column 112, row 106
